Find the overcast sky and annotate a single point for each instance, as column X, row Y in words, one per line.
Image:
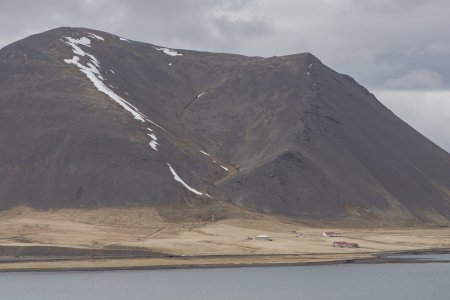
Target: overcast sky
column 399, row 49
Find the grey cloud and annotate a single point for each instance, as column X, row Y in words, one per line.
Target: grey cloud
column 153, row 21
column 416, row 79
column 428, row 112
column 237, row 32
column 372, row 40
column 397, row 6
column 235, row 4
column 434, row 49
column 242, row 27
column 427, row 57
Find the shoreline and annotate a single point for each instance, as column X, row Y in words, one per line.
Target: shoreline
column 228, row 261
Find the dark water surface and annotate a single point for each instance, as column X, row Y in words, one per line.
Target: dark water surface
column 423, row 256
column 347, row 281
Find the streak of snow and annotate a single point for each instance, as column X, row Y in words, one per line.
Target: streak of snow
column 204, row 153
column 112, row 71
column 168, row 51
column 153, row 136
column 150, row 121
column 208, row 195
column 200, row 95
column 96, row 36
column 96, row 78
column 177, row 178
column 94, row 60
column 75, row 42
column 91, row 71
column 170, row 64
column 154, row 144
column 124, row 39
column 225, row 168
column 81, row 41
column 73, row 61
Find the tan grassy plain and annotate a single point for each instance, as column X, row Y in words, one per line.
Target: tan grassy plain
column 196, row 241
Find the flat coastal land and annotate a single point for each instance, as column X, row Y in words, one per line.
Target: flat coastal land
column 156, row 238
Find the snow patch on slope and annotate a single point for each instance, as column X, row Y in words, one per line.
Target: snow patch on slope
column 153, row 142
column 168, row 51
column 74, row 43
column 94, row 76
column 91, row 70
column 203, row 152
column 92, row 35
column 154, row 145
column 177, row 178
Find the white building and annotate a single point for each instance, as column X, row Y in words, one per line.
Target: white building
column 332, row 234
column 263, row 237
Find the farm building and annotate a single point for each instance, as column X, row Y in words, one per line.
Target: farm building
column 263, row 237
column 345, row 245
column 332, row 234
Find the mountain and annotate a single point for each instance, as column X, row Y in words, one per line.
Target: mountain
column 90, row 119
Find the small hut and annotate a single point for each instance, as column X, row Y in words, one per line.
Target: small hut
column 263, row 237
column 332, row 234
column 345, row 245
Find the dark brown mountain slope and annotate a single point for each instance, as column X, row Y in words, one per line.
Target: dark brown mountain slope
column 91, row 119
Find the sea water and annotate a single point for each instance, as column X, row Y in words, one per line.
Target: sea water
column 343, row 281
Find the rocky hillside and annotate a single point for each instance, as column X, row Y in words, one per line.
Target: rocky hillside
column 90, row 119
